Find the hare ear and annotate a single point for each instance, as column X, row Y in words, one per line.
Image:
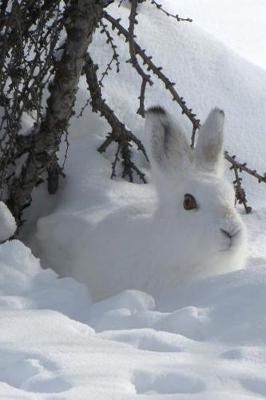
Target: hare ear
column 169, row 148
column 209, row 152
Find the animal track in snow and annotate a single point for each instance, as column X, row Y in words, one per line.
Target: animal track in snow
column 33, row 374
column 167, row 383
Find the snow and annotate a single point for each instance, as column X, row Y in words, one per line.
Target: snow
column 240, row 26
column 203, row 341
column 7, row 223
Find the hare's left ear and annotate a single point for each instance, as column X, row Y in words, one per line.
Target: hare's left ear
column 169, row 149
column 209, row 152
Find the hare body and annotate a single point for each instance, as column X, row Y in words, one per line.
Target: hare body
column 190, row 230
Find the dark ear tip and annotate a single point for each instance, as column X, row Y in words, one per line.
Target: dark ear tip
column 219, row 111
column 156, row 110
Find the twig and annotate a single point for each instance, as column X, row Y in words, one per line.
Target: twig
column 240, row 194
column 244, row 167
column 120, row 133
column 116, row 159
column 110, row 40
column 133, row 59
column 175, row 16
column 115, row 57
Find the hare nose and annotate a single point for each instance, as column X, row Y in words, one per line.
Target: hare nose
column 227, row 234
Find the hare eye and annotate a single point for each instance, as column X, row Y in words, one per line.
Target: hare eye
column 189, row 202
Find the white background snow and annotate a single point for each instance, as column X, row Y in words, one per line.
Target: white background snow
column 206, row 341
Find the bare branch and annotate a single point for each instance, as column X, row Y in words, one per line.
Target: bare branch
column 175, row 16
column 120, row 133
column 240, row 194
column 244, row 167
column 133, row 59
column 110, row 41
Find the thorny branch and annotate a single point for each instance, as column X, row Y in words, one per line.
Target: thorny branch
column 175, row 16
column 243, row 167
column 133, row 59
column 115, row 56
column 237, row 167
column 240, row 195
column 120, row 133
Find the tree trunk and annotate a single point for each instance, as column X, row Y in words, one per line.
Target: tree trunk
column 81, row 18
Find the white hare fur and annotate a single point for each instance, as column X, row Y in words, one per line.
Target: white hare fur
column 160, row 245
column 211, row 238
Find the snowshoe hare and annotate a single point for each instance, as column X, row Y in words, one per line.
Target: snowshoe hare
column 188, row 231
column 194, row 197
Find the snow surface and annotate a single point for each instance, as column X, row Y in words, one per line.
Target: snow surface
column 239, row 25
column 206, row 341
column 7, row 223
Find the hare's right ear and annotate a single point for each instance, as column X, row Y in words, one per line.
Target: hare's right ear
column 209, row 151
column 169, row 149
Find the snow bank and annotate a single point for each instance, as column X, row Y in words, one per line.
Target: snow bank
column 7, row 223
column 24, row 284
column 201, row 343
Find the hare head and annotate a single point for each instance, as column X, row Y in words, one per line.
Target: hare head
column 194, row 197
